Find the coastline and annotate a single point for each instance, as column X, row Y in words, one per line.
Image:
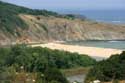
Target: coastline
column 94, row 52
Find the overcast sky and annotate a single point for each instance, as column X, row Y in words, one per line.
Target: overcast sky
column 71, row 4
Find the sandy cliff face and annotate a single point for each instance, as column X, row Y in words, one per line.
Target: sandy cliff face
column 51, row 29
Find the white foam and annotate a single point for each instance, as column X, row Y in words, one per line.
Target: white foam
column 116, row 21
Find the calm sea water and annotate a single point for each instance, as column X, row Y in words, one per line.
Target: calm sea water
column 109, row 16
column 102, row 44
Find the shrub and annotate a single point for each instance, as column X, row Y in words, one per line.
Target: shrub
column 110, row 69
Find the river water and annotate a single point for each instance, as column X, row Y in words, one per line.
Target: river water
column 78, row 78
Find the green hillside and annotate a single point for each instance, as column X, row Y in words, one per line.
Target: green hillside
column 11, row 22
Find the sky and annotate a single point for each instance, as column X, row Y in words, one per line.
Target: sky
column 70, row 4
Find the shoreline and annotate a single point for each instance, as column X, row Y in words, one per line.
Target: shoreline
column 94, row 52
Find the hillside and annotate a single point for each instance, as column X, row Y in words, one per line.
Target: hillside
column 20, row 24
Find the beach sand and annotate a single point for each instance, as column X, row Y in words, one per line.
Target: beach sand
column 95, row 52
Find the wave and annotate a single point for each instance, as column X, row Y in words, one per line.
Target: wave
column 116, row 21
column 113, row 41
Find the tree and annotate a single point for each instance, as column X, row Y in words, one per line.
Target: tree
column 53, row 74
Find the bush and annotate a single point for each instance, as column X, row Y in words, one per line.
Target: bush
column 41, row 60
column 54, row 75
column 110, row 69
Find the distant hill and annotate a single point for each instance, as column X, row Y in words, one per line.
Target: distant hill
column 19, row 24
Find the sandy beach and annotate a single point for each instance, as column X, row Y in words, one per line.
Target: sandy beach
column 94, row 52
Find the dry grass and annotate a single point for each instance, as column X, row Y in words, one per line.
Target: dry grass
column 76, row 71
column 24, row 77
column 123, row 81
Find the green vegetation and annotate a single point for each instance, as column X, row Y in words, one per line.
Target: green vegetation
column 44, row 27
column 41, row 64
column 18, row 10
column 70, row 16
column 108, row 70
column 10, row 22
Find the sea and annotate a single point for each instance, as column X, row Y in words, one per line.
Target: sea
column 101, row 44
column 108, row 16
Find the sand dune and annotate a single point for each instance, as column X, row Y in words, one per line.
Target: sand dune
column 91, row 51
